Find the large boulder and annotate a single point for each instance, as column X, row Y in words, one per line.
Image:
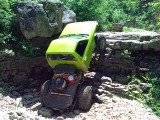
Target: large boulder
column 132, row 40
column 42, row 19
column 130, row 52
column 68, row 16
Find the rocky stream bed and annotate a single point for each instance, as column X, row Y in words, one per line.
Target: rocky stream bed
column 110, row 103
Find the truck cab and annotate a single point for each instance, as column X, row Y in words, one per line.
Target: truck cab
column 74, row 47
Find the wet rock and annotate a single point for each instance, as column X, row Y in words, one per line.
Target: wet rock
column 145, row 87
column 36, row 106
column 45, row 112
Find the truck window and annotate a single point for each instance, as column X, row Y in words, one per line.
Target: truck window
column 81, row 47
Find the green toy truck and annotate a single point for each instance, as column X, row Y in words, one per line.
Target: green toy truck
column 70, row 56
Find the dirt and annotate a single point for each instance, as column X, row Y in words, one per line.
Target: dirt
column 110, row 104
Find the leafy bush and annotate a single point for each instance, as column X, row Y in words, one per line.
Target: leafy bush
column 5, row 22
column 152, row 98
column 9, row 39
column 131, row 13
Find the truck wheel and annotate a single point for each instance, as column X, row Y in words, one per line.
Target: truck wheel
column 100, row 43
column 85, row 95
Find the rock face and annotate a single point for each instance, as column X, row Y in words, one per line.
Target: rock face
column 128, row 52
column 24, row 71
column 43, row 19
column 132, row 40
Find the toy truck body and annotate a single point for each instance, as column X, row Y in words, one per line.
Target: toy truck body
column 75, row 46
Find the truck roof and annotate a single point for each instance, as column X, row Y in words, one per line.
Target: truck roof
column 64, row 45
column 79, row 28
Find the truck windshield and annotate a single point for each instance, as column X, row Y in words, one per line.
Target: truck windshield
column 61, row 57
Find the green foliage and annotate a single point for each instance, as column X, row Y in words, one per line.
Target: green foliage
column 131, row 13
column 8, row 38
column 5, row 21
column 152, row 98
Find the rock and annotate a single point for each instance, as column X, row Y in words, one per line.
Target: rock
column 117, row 27
column 60, row 118
column 36, row 106
column 77, row 112
column 113, row 100
column 28, row 100
column 132, row 40
column 145, row 87
column 90, row 75
column 106, row 79
column 96, row 105
column 23, row 118
column 68, row 16
column 122, row 79
column 43, row 19
column 1, row 96
column 101, row 98
column 115, row 88
column 28, row 97
column 136, row 93
column 109, row 94
column 20, row 77
column 100, row 91
column 15, row 94
column 45, row 112
column 19, row 102
column 27, row 91
column 19, row 113
column 84, row 118
column 13, row 116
